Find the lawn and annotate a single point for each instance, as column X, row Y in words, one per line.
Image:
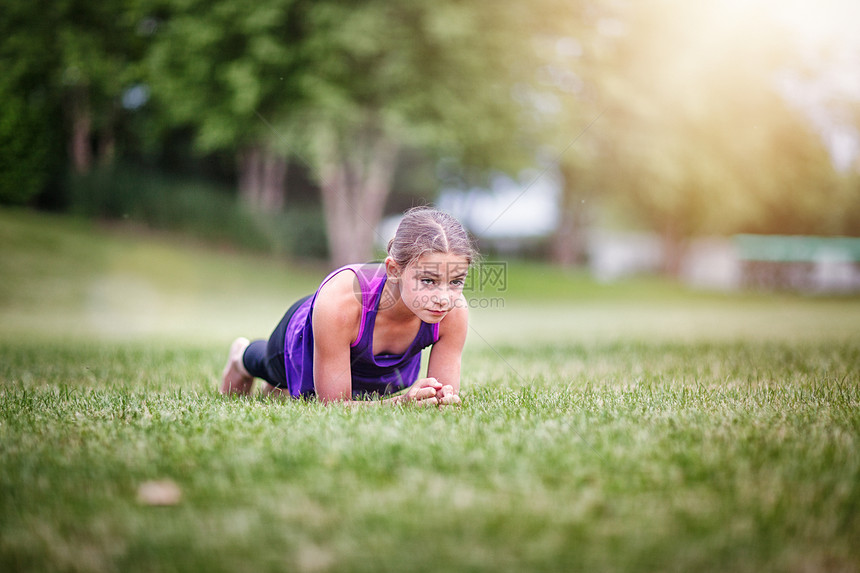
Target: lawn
column 627, row 427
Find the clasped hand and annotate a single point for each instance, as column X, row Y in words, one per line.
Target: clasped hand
column 431, row 392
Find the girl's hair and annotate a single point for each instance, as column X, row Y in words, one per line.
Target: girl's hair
column 426, row 230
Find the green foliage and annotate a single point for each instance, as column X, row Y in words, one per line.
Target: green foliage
column 692, row 137
column 198, row 209
column 344, row 87
column 433, row 74
column 217, row 66
column 299, row 232
column 65, row 65
column 29, row 126
column 24, row 149
column 424, row 72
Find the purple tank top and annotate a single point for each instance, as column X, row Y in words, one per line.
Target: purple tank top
column 382, row 373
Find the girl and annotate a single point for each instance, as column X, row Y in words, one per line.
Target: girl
column 363, row 330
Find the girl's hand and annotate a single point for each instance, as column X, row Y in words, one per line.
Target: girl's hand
column 446, row 396
column 423, row 392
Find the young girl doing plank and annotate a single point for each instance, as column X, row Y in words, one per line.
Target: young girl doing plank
column 361, row 333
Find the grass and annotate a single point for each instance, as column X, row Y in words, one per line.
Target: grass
column 618, row 428
column 70, row 278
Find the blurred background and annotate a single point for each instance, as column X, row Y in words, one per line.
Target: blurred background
column 715, row 142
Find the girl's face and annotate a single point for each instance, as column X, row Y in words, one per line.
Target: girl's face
column 432, row 285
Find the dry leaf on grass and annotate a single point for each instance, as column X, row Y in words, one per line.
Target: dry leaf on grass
column 160, row 492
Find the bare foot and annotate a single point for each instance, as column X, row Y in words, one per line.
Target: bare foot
column 235, row 379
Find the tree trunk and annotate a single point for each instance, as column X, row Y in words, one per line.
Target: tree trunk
column 80, row 146
column 355, row 185
column 272, row 194
column 674, row 247
column 262, row 178
column 107, row 144
column 563, row 250
column 249, row 175
column 568, row 242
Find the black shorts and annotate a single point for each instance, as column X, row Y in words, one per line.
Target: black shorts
column 265, row 358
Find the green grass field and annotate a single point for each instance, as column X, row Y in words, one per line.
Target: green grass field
column 627, row 427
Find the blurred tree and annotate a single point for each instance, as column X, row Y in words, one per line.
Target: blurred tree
column 343, row 86
column 26, row 102
column 231, row 72
column 701, row 140
column 567, row 106
column 24, row 148
column 693, row 137
column 851, row 220
column 437, row 75
column 97, row 46
column 68, row 54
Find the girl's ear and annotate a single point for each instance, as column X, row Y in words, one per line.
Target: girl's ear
column 392, row 269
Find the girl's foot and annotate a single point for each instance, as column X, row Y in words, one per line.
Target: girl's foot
column 235, row 379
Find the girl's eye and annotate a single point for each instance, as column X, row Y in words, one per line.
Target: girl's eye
column 428, row 282
column 457, row 282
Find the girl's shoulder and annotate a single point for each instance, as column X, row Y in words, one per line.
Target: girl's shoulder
column 336, row 299
column 359, row 281
column 339, row 289
column 366, row 275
